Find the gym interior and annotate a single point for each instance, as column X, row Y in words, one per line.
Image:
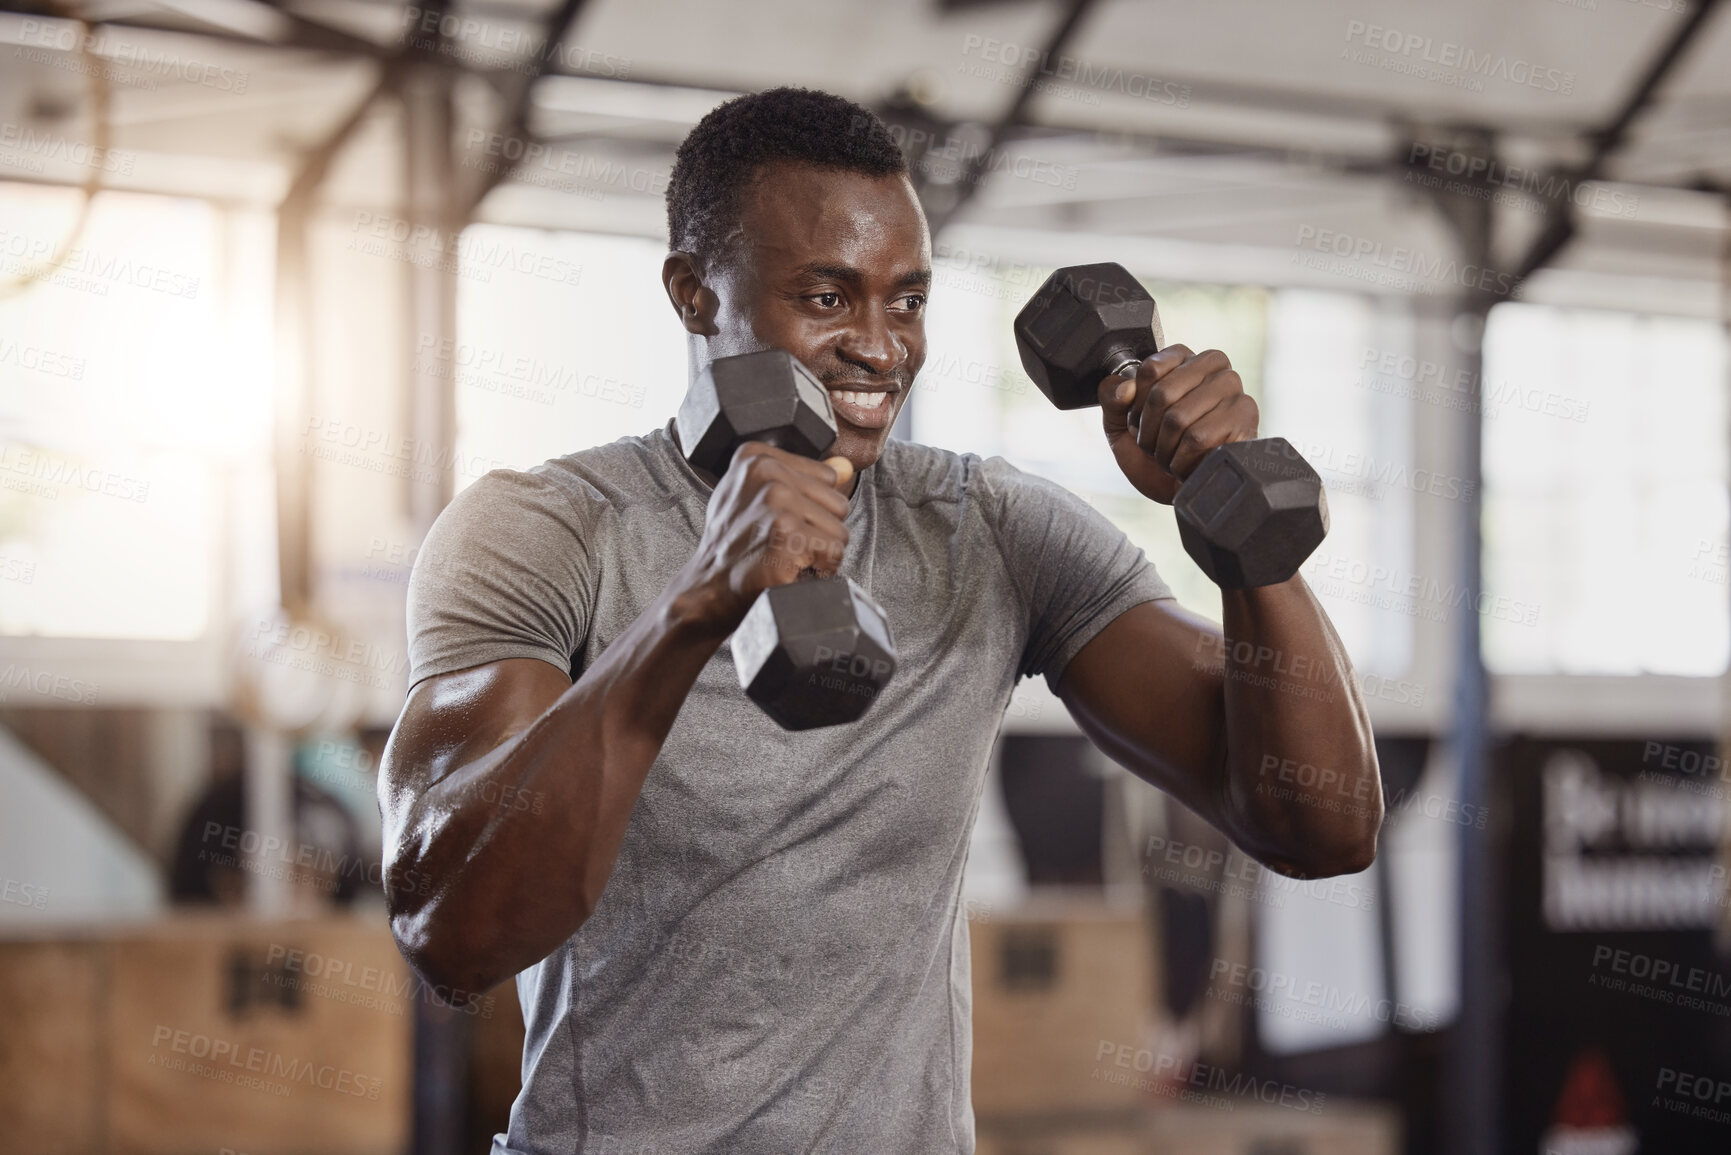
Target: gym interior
column 279, row 279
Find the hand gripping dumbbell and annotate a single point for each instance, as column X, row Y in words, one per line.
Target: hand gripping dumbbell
column 1252, row 511
column 816, row 652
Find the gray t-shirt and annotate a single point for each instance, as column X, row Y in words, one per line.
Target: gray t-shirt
column 777, row 963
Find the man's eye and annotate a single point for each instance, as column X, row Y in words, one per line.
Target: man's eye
column 914, row 302
column 827, row 300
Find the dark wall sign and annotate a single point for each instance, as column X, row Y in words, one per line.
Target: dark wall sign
column 1618, row 1024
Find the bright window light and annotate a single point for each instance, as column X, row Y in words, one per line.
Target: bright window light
column 1357, row 434
column 1605, row 500
column 544, row 368
column 127, row 378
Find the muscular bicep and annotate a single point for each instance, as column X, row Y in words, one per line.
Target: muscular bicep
column 1147, row 690
column 452, row 720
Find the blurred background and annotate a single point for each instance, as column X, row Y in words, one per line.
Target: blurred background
column 279, row 277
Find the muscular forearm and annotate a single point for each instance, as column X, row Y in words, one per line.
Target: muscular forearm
column 1302, row 788
column 519, row 842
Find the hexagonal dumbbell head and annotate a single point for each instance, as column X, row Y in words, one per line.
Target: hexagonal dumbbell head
column 767, row 396
column 814, row 653
column 1083, row 323
column 1251, row 513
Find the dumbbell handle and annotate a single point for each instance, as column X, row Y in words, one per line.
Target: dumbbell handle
column 1126, row 363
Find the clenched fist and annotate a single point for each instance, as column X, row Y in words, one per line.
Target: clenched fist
column 773, row 517
column 1164, row 420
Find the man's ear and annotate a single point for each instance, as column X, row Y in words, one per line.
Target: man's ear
column 694, row 301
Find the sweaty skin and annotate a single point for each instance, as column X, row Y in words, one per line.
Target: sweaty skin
column 834, row 267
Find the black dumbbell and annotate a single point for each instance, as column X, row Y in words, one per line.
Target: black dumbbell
column 816, row 652
column 1252, row 511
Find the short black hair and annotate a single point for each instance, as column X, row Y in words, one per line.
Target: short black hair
column 729, row 147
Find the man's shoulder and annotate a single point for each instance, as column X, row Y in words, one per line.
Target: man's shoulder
column 919, row 473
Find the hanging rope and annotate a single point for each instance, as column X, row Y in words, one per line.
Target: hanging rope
column 96, row 76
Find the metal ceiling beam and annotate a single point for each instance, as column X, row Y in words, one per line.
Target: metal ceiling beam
column 310, row 35
column 974, row 168
column 319, row 36
column 1611, row 136
column 515, row 123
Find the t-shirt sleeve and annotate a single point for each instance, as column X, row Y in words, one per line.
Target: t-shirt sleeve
column 504, row 573
column 1072, row 568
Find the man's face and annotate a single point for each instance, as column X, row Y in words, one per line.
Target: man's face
column 833, row 267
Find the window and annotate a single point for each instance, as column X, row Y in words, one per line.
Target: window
column 547, row 366
column 1605, row 501
column 134, row 380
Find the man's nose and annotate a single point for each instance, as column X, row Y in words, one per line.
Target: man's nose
column 872, row 343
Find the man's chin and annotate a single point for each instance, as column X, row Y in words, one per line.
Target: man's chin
column 861, row 446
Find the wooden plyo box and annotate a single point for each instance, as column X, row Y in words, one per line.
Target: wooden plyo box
column 1054, row 985
column 199, row 1034
column 1065, row 1141
column 1340, row 1128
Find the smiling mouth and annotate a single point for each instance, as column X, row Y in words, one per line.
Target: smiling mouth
column 872, row 399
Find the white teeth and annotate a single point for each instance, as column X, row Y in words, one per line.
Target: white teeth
column 863, row 400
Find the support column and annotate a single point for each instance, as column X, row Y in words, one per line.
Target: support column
column 429, row 184
column 1473, row 1079
column 441, row 1107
